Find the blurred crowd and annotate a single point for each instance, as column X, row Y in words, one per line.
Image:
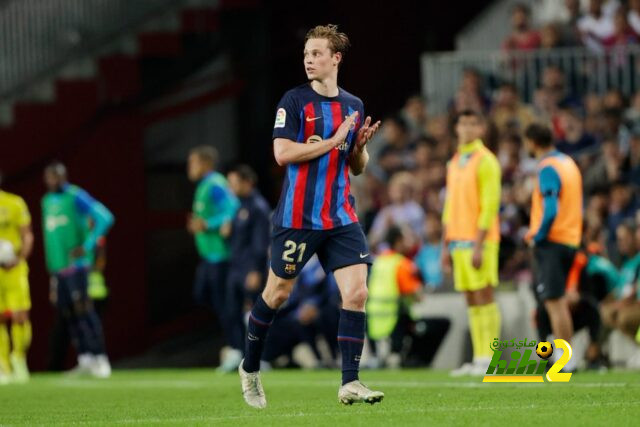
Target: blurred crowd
column 596, row 24
column 405, row 183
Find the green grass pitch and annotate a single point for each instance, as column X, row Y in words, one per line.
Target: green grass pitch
column 413, row 397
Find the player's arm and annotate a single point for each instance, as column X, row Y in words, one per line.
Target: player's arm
column 287, row 151
column 26, row 235
column 489, row 177
column 26, row 232
column 549, row 183
column 445, row 259
column 102, row 219
column 359, row 156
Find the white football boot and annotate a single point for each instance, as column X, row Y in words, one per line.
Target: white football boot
column 85, row 363
column 101, row 368
column 356, row 392
column 252, row 390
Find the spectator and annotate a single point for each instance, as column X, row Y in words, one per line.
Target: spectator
column 393, row 285
column 550, row 37
column 634, row 15
column 402, row 211
column 596, row 26
column 555, row 82
column 415, row 115
column 622, row 309
column 470, row 94
column 614, row 125
column 568, row 27
column 606, row 168
column 632, row 114
column 634, row 158
column 397, row 151
column 522, row 36
column 429, row 256
column 623, row 34
column 509, row 112
column 576, row 142
column 622, row 206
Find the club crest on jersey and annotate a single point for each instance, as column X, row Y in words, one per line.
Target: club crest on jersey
column 353, row 125
column 313, row 139
column 281, row 118
column 289, row 268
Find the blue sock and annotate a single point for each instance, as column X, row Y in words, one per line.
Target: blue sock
column 260, row 319
column 350, row 341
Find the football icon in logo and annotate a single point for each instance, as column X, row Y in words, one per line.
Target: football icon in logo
column 544, row 349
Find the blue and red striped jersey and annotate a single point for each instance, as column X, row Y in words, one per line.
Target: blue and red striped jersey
column 316, row 194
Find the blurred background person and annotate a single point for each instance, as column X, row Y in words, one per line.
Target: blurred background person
column 522, row 36
column 555, row 230
column 98, row 292
column 16, row 244
column 472, row 234
column 214, row 207
column 69, row 248
column 428, row 257
column 394, row 286
column 402, row 210
column 248, row 246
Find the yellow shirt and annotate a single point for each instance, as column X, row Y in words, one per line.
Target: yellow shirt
column 489, row 177
column 14, row 215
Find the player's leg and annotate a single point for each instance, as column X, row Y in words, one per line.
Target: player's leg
column 5, row 344
column 19, row 303
column 275, row 293
column 483, row 312
column 352, row 281
column 235, row 322
column 4, row 334
column 290, row 251
column 553, row 263
column 60, row 294
column 346, row 253
column 89, row 324
column 261, row 317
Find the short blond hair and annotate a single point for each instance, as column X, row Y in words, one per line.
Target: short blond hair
column 338, row 42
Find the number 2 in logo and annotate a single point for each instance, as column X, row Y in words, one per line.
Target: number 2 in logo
column 291, row 248
column 554, row 374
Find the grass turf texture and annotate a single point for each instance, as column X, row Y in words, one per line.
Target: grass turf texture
column 413, row 397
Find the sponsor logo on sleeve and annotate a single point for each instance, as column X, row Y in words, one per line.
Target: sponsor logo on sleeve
column 281, row 118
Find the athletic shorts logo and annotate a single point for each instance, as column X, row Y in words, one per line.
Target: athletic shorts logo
column 364, row 255
column 281, row 118
column 289, row 268
column 252, row 337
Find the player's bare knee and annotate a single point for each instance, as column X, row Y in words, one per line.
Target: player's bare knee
column 357, row 297
column 277, row 292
